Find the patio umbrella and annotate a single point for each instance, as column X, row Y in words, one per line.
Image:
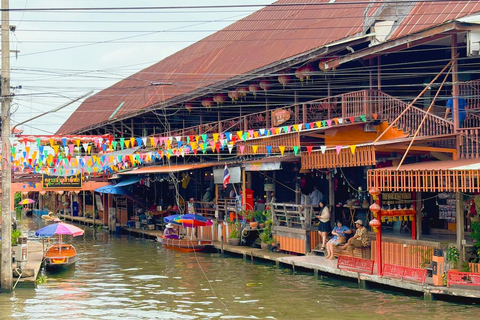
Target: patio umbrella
column 60, row 229
column 192, row 220
column 26, row 201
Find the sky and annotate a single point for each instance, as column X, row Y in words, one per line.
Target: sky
column 60, row 55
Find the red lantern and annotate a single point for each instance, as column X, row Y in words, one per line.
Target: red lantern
column 254, row 88
column 299, row 74
column 375, row 192
column 219, row 98
column 234, row 95
column 308, row 71
column 375, row 208
column 375, row 224
column 207, row 102
column 189, row 106
column 284, row 79
column 242, row 91
column 265, row 85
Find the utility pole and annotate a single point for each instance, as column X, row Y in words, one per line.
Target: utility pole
column 6, row 267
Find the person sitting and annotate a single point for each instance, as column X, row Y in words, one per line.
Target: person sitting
column 360, row 239
column 170, row 232
column 339, row 236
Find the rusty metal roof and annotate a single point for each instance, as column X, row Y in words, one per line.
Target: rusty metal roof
column 267, row 36
column 462, row 164
column 428, row 14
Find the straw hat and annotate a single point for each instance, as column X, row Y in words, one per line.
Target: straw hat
column 169, row 225
column 360, row 222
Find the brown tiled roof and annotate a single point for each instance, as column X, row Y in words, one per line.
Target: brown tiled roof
column 267, row 36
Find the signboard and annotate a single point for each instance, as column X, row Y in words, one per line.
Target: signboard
column 263, row 166
column 280, row 116
column 67, row 182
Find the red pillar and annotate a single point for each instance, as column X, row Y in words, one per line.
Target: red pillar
column 378, row 251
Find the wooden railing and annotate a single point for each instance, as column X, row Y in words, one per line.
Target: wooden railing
column 469, row 143
column 353, row 104
column 470, row 91
column 388, row 108
column 471, row 121
column 292, row 215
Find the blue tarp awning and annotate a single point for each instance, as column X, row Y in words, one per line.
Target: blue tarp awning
column 129, row 181
column 113, row 190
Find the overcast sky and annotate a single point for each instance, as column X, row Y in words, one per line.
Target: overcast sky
column 65, row 54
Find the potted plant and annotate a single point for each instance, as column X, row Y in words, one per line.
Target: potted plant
column 249, row 215
column 266, row 237
column 260, row 217
column 15, row 235
column 234, row 235
column 452, row 255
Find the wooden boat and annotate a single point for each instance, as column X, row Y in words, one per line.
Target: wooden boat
column 50, row 218
column 184, row 245
column 60, row 256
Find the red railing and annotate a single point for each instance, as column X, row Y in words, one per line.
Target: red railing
column 463, row 278
column 470, row 91
column 352, row 104
column 388, row 108
column 469, row 143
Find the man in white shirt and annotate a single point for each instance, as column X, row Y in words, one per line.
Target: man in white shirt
column 315, row 196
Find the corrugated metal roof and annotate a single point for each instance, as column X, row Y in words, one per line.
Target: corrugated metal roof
column 264, row 37
column 427, row 14
column 462, row 164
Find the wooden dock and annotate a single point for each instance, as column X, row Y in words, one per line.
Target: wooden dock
column 34, row 262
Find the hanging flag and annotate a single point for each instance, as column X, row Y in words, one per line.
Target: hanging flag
column 309, row 149
column 226, row 176
column 352, row 148
column 254, row 148
column 339, row 148
column 323, row 149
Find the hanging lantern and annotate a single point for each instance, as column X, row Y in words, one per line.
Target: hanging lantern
column 265, row 85
column 242, row 91
column 234, row 95
column 299, row 74
column 254, row 88
column 375, row 224
column 308, row 71
column 375, row 192
column 284, row 79
column 375, row 208
column 189, row 106
column 219, row 98
column 207, row 103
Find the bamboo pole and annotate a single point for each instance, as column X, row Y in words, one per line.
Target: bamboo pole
column 414, row 100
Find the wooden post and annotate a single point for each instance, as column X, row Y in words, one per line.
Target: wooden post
column 379, row 74
column 418, row 215
column 244, row 190
column 331, row 195
column 93, row 197
column 460, row 226
column 378, row 251
column 455, row 89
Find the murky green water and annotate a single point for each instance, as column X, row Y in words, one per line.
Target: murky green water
column 129, row 278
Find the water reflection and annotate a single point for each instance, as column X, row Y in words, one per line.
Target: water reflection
column 129, row 278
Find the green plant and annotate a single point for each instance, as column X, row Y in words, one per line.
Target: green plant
column 17, row 198
column 452, row 255
column 15, row 235
column 266, row 237
column 260, row 216
column 475, row 234
column 465, row 267
column 234, row 231
column 425, row 256
column 249, row 215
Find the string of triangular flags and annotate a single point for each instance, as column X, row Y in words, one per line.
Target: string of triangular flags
column 34, row 157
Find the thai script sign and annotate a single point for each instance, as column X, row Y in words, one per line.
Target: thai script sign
column 49, row 181
column 280, row 116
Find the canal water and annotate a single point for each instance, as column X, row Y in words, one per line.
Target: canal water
column 131, row 278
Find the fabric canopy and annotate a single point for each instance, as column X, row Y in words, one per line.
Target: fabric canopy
column 128, row 181
column 113, row 190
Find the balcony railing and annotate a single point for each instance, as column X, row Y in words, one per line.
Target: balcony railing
column 346, row 106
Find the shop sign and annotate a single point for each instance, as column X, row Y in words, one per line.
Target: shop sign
column 49, row 181
column 280, row 116
column 396, row 196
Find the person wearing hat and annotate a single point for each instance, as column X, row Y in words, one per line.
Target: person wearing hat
column 360, row 239
column 170, row 232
